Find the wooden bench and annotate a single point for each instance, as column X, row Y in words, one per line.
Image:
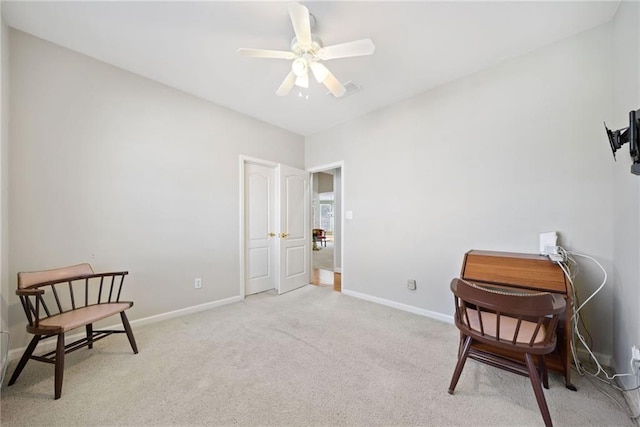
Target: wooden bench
column 60, row 300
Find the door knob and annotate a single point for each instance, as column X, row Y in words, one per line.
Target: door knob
column 284, row 235
column 272, row 234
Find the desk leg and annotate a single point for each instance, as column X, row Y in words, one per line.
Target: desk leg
column 565, row 345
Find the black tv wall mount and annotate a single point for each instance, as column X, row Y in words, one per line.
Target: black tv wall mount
column 630, row 134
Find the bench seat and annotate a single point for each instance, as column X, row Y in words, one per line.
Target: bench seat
column 83, row 316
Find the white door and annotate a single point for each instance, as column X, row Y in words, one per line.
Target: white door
column 294, row 228
column 260, row 228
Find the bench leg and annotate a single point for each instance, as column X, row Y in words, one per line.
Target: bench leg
column 24, row 359
column 59, row 372
column 89, row 329
column 127, row 328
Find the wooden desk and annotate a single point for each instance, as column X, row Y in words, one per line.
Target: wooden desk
column 526, row 272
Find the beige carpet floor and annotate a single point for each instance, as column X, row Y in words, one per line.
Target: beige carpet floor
column 309, row 357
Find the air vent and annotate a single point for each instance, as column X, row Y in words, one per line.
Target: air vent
column 351, row 88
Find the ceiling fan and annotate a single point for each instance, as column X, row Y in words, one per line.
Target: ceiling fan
column 307, row 52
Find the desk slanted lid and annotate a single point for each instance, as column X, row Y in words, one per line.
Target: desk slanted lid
column 528, row 271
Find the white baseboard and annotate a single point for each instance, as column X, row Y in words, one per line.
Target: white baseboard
column 50, row 345
column 400, row 306
column 184, row 311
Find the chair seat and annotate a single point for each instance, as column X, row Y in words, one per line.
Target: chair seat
column 507, row 327
column 83, row 316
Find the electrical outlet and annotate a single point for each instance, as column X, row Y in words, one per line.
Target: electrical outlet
column 197, row 283
column 635, row 354
column 411, row 284
column 556, row 257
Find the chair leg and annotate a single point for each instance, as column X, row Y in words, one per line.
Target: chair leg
column 460, row 345
column 537, row 389
column 89, row 329
column 462, row 358
column 59, row 370
column 24, row 359
column 542, row 369
column 127, row 328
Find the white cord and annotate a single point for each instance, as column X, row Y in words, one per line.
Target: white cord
column 570, row 269
column 604, row 279
column 575, row 317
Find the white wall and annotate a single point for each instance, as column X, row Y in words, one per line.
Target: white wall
column 4, row 174
column 125, row 173
column 626, row 189
column 486, row 162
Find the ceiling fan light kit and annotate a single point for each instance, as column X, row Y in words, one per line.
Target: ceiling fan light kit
column 307, row 52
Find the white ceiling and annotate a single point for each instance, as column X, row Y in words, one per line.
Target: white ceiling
column 191, row 46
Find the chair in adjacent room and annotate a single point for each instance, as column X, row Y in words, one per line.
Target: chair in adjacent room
column 319, row 235
column 64, row 299
column 516, row 323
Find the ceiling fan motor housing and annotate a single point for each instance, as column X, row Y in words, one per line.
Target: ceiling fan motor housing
column 298, row 49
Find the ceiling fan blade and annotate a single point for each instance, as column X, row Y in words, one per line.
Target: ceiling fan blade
column 345, row 50
column 320, row 72
column 301, row 24
column 286, row 85
column 266, row 53
column 334, row 86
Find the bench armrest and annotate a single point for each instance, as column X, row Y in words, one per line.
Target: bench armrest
column 29, row 292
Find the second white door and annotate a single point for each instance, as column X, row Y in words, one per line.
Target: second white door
column 294, row 226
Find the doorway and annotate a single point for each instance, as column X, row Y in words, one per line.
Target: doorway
column 326, row 226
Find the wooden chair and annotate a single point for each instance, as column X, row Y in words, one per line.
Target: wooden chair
column 515, row 323
column 319, row 235
column 63, row 299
